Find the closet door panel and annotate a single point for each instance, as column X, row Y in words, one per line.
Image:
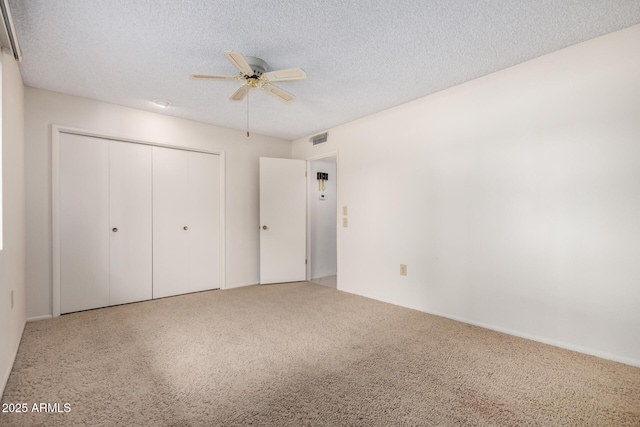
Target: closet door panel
column 131, row 222
column 204, row 221
column 170, row 216
column 84, row 222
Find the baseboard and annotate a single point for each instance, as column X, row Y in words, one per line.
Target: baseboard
column 5, row 377
column 239, row 286
column 555, row 343
column 561, row 344
column 36, row 318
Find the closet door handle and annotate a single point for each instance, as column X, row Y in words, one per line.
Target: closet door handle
column 114, row 229
column 264, row 227
column 185, row 228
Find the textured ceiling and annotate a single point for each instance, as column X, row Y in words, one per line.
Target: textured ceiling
column 360, row 56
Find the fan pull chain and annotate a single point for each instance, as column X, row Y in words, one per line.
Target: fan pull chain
column 248, row 92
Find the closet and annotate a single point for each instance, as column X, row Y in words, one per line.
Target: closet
column 186, row 214
column 136, row 222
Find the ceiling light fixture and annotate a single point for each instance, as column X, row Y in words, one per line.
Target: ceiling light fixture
column 162, row 103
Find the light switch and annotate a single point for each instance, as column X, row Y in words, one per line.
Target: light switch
column 403, row 269
column 344, row 210
column 345, row 222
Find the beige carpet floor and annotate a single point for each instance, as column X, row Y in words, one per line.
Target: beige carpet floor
column 303, row 355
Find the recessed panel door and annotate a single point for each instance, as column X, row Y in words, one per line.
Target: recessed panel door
column 204, row 221
column 283, row 216
column 84, row 222
column 131, row 222
column 170, row 222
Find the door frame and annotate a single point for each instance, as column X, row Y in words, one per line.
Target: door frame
column 56, row 130
column 310, row 159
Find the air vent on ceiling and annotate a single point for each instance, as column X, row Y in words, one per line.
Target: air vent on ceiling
column 319, row 139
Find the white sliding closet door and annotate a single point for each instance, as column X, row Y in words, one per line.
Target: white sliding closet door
column 84, row 222
column 204, row 221
column 170, row 216
column 131, row 222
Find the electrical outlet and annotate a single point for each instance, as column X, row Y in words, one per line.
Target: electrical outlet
column 403, row 269
column 345, row 222
column 344, row 210
column 11, row 298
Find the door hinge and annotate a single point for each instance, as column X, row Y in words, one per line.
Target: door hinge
column 305, row 261
column 305, row 174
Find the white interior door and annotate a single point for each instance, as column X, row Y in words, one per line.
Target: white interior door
column 84, row 222
column 282, row 220
column 131, row 222
column 170, row 217
column 204, row 221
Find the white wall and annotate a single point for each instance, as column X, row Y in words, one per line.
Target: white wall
column 12, row 256
column 44, row 108
column 323, row 220
column 514, row 199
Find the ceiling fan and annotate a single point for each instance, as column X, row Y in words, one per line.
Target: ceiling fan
column 254, row 73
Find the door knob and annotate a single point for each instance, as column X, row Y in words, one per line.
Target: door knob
column 185, row 228
column 264, row 227
column 115, row 230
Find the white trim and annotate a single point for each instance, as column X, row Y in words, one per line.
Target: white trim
column 338, row 221
column 56, row 130
column 223, row 221
column 38, row 318
column 561, row 344
column 84, row 132
column 241, row 285
column 5, row 376
column 555, row 343
column 1, row 174
column 55, row 216
column 9, row 37
column 322, row 156
column 308, row 231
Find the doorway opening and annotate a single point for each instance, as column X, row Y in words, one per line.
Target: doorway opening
column 322, row 230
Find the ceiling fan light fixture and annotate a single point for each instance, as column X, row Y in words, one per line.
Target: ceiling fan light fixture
column 162, row 103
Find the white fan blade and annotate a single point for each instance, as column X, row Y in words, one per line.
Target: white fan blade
column 240, row 93
column 238, row 60
column 281, row 94
column 283, row 75
column 208, row 77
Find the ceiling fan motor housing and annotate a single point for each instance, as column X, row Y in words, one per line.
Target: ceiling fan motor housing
column 258, row 66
